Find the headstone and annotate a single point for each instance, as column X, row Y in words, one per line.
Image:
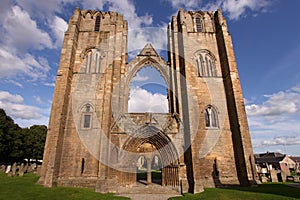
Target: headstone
column 264, row 179
column 273, row 174
column 26, row 168
column 21, row 170
column 14, row 169
column 2, row 169
column 8, row 169
column 283, row 176
column 38, row 170
column 30, row 168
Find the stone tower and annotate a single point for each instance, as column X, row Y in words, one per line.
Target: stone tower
column 93, row 141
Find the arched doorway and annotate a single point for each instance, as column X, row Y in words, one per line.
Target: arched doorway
column 157, row 152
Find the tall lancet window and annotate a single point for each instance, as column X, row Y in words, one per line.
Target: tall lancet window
column 97, row 23
column 86, row 120
column 88, row 62
column 198, row 24
column 211, row 119
column 97, row 62
column 199, row 62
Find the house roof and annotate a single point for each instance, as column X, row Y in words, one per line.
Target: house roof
column 269, row 157
column 268, row 160
column 295, row 158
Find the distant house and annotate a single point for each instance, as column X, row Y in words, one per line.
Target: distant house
column 280, row 163
column 296, row 159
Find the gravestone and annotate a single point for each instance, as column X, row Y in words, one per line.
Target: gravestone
column 14, row 169
column 8, row 169
column 26, row 168
column 21, row 170
column 274, row 177
column 2, row 169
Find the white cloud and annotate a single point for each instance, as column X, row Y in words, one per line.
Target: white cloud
column 143, row 101
column 49, row 84
column 142, row 36
column 234, row 8
column 58, row 26
column 12, row 66
column 187, row 4
column 4, row 8
column 278, row 104
column 16, row 83
column 24, row 115
column 7, row 97
column 139, row 78
column 40, row 9
column 276, row 121
column 38, row 99
column 22, row 33
column 13, row 105
column 283, row 140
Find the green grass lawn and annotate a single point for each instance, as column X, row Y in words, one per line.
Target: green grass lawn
column 262, row 192
column 25, row 188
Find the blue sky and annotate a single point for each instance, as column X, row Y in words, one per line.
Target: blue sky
column 266, row 38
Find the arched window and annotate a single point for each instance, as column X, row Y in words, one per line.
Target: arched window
column 210, row 68
column 198, row 24
column 210, row 115
column 207, row 118
column 97, row 63
column 206, row 64
column 97, row 23
column 200, row 68
column 92, row 62
column 88, row 62
column 87, row 117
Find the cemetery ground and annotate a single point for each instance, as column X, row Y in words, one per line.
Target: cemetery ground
column 26, row 188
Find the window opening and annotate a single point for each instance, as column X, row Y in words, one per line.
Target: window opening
column 87, row 121
column 198, row 24
column 210, row 117
column 97, row 23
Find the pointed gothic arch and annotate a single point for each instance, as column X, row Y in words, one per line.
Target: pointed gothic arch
column 147, row 57
column 206, row 63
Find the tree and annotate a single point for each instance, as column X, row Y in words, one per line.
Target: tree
column 37, row 134
column 8, row 132
column 17, row 143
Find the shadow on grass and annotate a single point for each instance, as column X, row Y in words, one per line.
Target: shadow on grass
column 264, row 191
column 271, row 188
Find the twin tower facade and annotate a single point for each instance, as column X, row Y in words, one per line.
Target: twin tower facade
column 93, row 141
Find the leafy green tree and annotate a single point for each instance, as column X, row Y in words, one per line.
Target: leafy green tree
column 37, row 135
column 18, row 143
column 8, row 132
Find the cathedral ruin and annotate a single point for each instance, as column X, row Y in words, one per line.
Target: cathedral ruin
column 93, row 141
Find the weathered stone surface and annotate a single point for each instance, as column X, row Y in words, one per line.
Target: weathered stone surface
column 21, row 170
column 273, row 174
column 14, row 169
column 93, row 141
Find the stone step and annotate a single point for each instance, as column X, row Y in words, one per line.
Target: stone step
column 150, row 189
